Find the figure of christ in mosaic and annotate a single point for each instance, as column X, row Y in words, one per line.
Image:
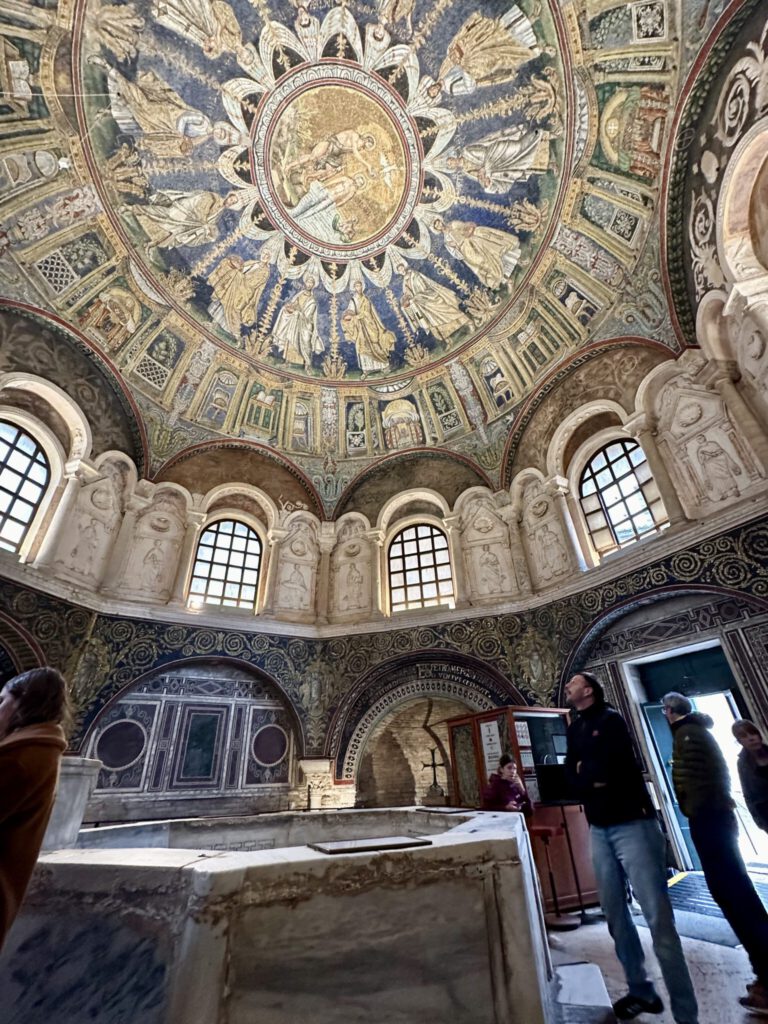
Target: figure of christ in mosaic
column 362, row 326
column 151, row 110
column 320, row 211
column 237, row 287
column 336, row 163
column 430, row 307
column 500, row 159
column 295, row 334
column 488, row 51
column 329, row 156
column 171, row 219
column 489, row 253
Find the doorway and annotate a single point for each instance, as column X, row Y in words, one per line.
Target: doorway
column 705, row 677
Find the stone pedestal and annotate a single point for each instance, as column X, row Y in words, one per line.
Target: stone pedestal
column 76, row 781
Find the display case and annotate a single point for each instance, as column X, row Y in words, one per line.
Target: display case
column 536, row 737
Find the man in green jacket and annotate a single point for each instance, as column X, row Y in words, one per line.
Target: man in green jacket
column 703, row 790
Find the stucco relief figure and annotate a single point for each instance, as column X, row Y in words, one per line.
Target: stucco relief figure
column 487, row 51
column 362, row 326
column 352, row 592
column 294, row 591
column 489, row 253
column 150, row 109
column 498, row 160
column 172, row 219
column 237, row 287
column 431, row 307
column 153, row 566
column 83, row 555
column 718, row 469
column 295, row 333
column 551, row 556
column 493, row 579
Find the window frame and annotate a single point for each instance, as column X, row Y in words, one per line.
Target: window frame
column 396, row 530
column 599, row 446
column 198, row 601
column 51, row 447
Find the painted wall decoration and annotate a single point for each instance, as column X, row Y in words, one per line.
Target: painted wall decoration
column 308, row 200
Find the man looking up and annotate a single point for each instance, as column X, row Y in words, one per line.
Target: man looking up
column 703, row 790
column 626, row 844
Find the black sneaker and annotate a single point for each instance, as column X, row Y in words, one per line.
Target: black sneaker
column 629, row 1007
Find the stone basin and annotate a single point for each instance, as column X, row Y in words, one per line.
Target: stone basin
column 210, row 921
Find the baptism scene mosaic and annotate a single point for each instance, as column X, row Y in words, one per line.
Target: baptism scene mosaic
column 341, row 229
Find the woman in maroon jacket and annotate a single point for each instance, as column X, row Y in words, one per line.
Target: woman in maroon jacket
column 32, row 709
column 505, row 790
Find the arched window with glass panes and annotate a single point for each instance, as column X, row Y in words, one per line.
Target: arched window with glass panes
column 227, row 566
column 24, row 477
column 420, row 574
column 619, row 497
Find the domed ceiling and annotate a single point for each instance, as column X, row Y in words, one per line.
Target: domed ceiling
column 340, row 230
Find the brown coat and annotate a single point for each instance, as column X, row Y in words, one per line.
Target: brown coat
column 29, row 771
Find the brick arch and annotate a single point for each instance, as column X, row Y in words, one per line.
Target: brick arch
column 430, row 674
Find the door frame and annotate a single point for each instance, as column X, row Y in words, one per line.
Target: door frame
column 634, row 690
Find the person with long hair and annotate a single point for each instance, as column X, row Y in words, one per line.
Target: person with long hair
column 753, row 769
column 34, row 709
column 505, row 790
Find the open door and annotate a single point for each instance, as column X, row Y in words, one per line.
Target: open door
column 661, row 736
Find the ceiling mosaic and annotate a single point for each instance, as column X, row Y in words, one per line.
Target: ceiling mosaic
column 338, row 230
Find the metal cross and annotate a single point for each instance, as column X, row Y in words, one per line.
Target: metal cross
column 434, row 764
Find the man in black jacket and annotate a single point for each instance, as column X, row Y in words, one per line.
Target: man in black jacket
column 626, row 844
column 703, row 790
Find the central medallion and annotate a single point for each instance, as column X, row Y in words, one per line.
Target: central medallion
column 337, row 162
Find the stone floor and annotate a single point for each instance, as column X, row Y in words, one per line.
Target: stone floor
column 719, row 973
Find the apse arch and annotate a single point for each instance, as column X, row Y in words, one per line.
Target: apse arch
column 430, row 673
column 601, row 623
column 256, row 672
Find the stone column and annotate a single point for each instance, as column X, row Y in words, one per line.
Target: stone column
column 192, row 530
column 275, row 538
column 327, row 542
column 378, row 573
column 318, row 773
column 46, row 549
column 77, row 778
column 722, row 376
column 643, row 429
column 457, row 561
column 582, row 551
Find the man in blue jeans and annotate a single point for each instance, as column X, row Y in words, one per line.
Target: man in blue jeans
column 626, row 844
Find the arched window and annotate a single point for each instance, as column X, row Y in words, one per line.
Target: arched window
column 419, row 568
column 227, row 564
column 24, row 476
column 619, row 496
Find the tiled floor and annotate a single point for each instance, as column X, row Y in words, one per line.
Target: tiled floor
column 719, row 973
